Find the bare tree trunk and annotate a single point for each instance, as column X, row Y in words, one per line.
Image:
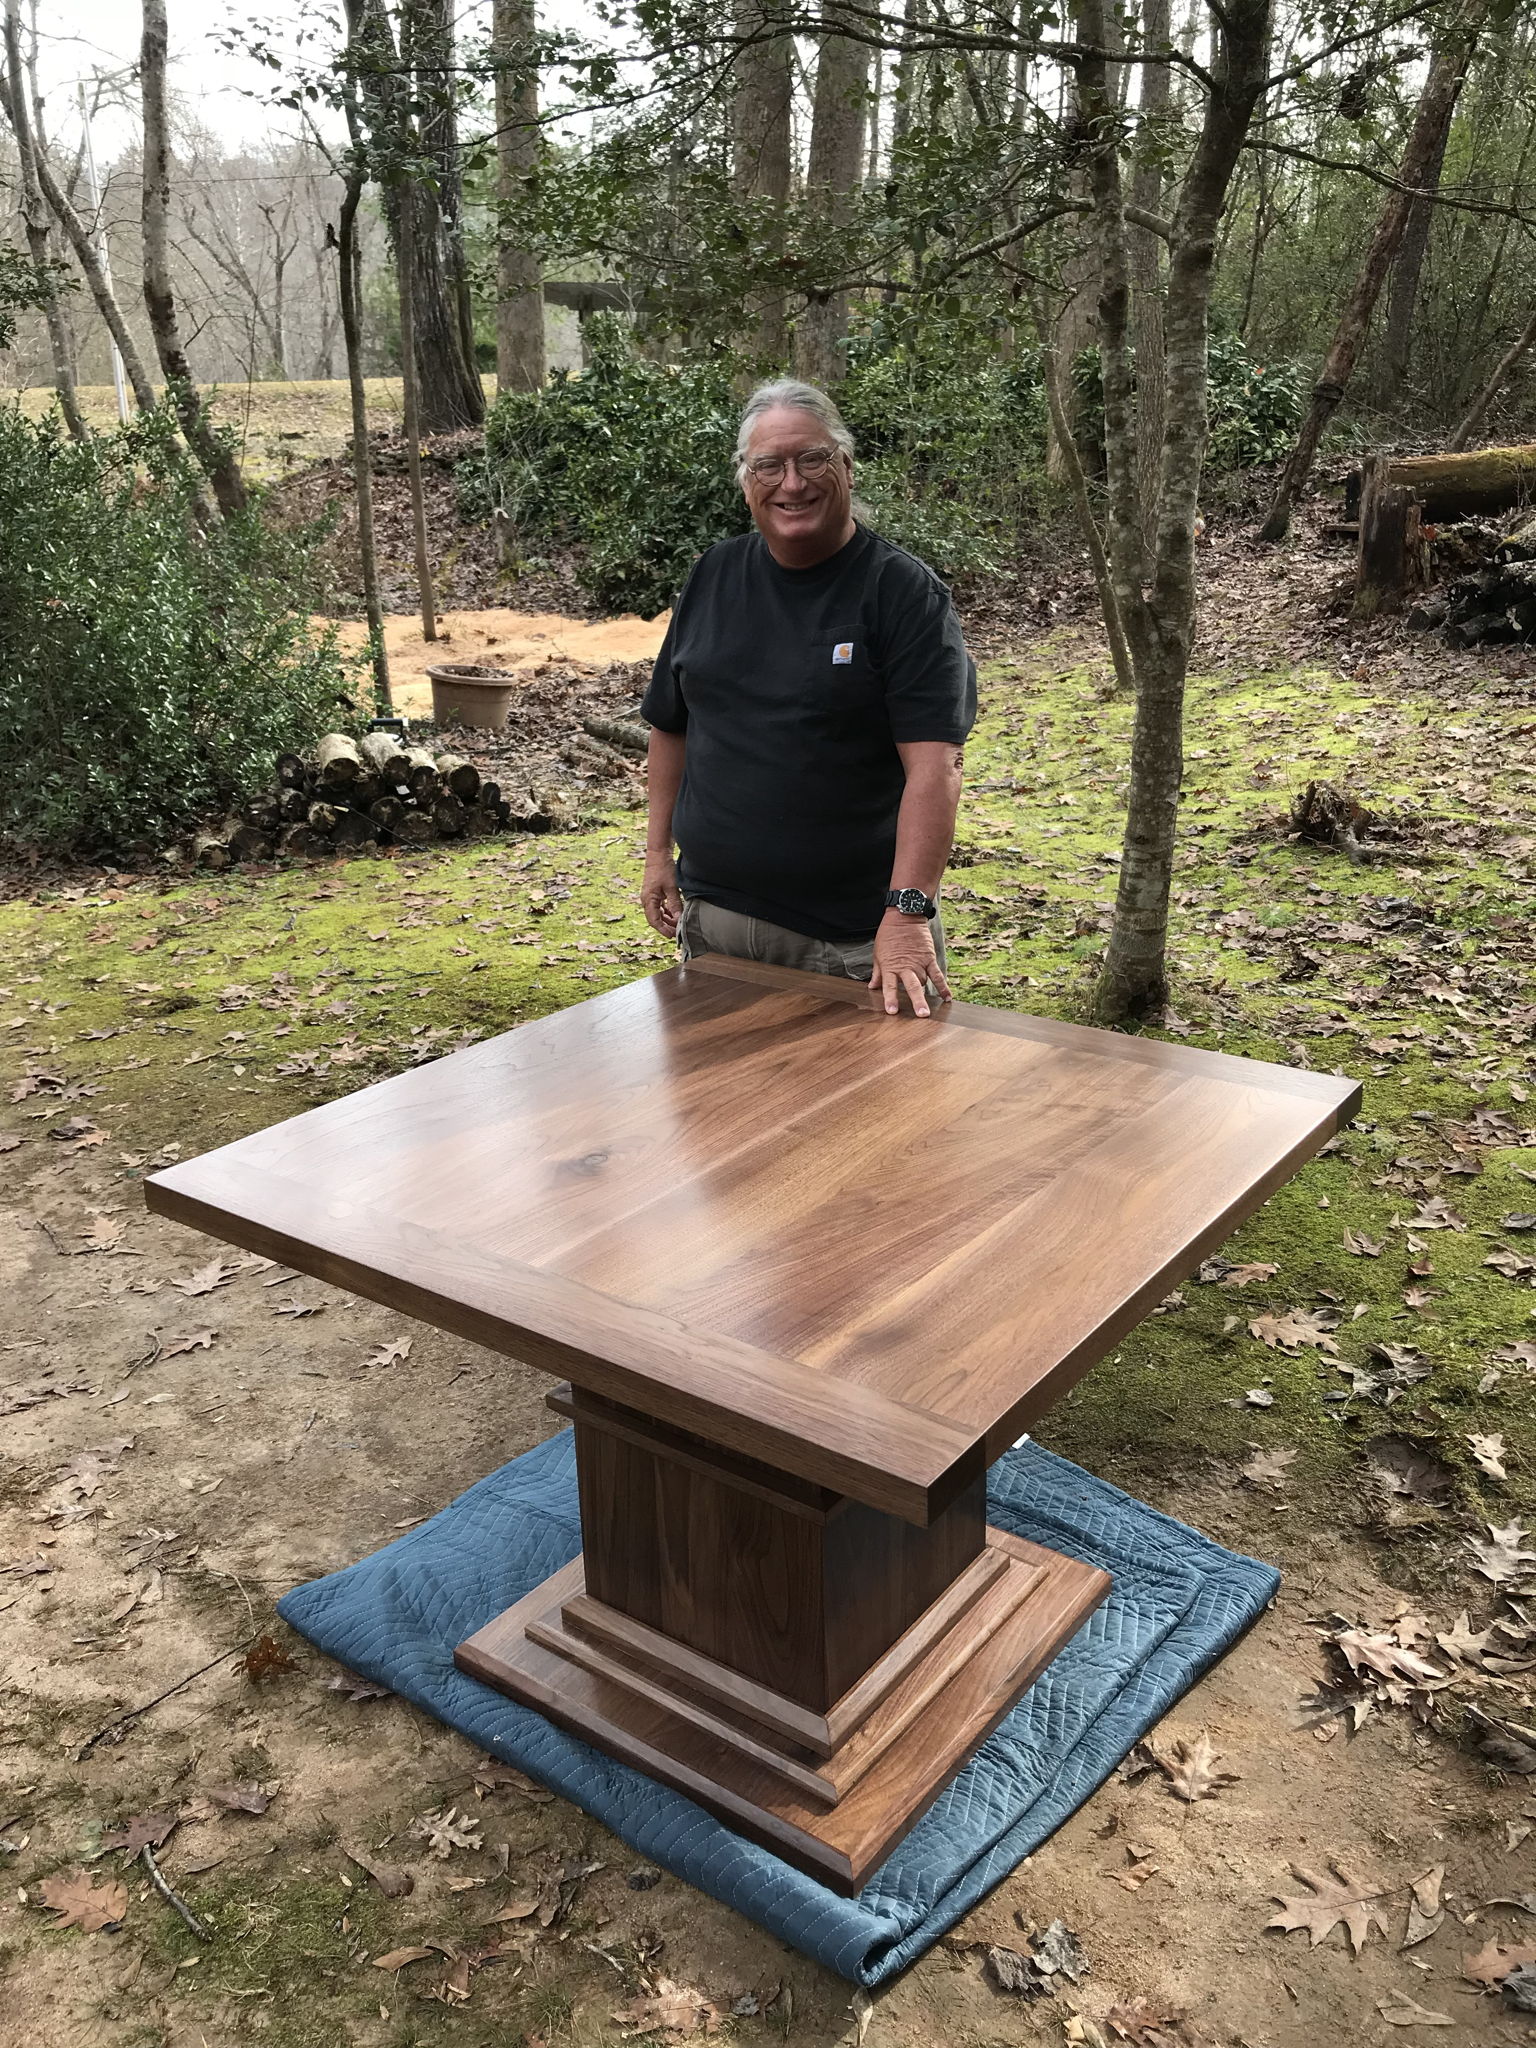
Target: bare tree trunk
column 89, row 259
column 405, row 257
column 34, row 213
column 212, row 451
column 389, row 88
column 1403, row 290
column 906, row 74
column 428, row 30
column 520, row 361
column 760, row 159
column 1495, row 384
column 362, row 467
column 1158, row 609
column 1436, row 103
column 1119, row 650
column 1146, row 267
column 832, row 178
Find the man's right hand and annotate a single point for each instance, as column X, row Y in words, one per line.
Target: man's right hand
column 660, row 897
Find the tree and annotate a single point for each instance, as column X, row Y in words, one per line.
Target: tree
column 760, row 158
column 34, row 212
column 1154, row 587
column 211, row 449
column 406, row 93
column 519, row 281
column 1426, row 139
column 832, row 178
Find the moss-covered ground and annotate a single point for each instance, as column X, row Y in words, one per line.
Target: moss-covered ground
column 180, row 1013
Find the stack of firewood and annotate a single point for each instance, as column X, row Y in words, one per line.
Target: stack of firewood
column 1495, row 600
column 352, row 794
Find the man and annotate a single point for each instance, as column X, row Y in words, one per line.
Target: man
column 809, row 710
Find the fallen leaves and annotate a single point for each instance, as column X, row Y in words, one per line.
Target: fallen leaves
column 1337, row 1900
column 1435, row 1214
column 217, row 1273
column 446, row 1831
column 1190, row 1768
column 1502, row 1559
column 1493, row 1963
column 1268, row 1468
column 1425, row 1912
column 266, row 1658
column 1296, row 1328
column 1488, row 1454
column 200, row 1340
column 1389, row 1659
column 392, row 1880
column 390, row 1354
column 1401, row 2011
column 245, row 1797
column 78, row 1901
column 669, row 2008
column 398, row 1958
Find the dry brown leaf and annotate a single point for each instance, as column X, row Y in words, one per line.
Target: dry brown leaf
column 1244, row 1276
column 1298, row 1326
column 399, row 1957
column 446, row 1831
column 1463, row 1642
column 522, row 1907
column 1425, row 1913
column 1492, row 1964
column 1268, row 1468
column 1401, row 2011
column 153, row 1828
column 217, row 1273
column 390, row 1354
column 248, row 1797
column 670, row 2008
column 1502, row 1560
column 1334, row 1899
column 266, row 1658
column 200, row 1340
column 1191, row 1771
column 1385, row 1657
column 1488, row 1454
column 79, row 1902
column 392, row 1881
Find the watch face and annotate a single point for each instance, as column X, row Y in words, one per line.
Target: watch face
column 912, row 902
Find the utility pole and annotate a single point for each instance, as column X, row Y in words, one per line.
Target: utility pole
column 118, row 379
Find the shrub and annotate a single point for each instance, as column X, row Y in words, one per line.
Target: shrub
column 149, row 671
column 630, row 463
column 1253, row 409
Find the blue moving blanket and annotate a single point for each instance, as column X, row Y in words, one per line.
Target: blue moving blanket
column 1179, row 1601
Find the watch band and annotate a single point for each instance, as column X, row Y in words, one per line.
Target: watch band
column 911, row 903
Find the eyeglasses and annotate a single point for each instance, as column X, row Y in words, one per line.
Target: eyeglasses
column 809, row 464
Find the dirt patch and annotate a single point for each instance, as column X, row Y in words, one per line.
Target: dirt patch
column 531, row 644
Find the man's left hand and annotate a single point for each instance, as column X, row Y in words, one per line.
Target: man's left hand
column 905, row 959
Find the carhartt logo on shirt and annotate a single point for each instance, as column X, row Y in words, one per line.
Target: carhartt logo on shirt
column 842, row 653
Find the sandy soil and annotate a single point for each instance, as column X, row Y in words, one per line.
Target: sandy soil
column 526, row 642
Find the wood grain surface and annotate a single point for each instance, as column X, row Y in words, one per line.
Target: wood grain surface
column 866, row 1250
column 883, row 1778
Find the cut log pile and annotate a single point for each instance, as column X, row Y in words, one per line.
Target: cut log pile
column 353, row 794
column 1495, row 597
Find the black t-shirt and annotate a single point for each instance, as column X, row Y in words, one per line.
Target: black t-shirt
column 793, row 687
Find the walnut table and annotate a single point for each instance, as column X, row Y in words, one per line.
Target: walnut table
column 807, row 1269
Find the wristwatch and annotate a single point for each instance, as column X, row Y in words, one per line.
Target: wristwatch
column 911, row 903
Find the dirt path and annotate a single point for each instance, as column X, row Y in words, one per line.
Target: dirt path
column 188, row 1433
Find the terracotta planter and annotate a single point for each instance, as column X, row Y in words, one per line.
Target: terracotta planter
column 463, row 694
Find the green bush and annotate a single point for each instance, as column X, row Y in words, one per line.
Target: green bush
column 1253, row 409
column 630, row 463
column 149, row 672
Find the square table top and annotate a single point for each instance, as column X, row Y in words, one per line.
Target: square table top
column 868, row 1250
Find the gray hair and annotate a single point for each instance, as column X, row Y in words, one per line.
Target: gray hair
column 790, row 394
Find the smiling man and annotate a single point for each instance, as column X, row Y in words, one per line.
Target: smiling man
column 809, row 709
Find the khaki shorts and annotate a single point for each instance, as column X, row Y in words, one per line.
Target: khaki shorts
column 706, row 928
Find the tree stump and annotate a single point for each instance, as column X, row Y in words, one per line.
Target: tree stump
column 1389, row 562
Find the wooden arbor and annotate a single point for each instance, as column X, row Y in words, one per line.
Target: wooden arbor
column 808, row 1269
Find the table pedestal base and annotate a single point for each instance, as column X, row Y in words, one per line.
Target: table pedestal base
column 831, row 1793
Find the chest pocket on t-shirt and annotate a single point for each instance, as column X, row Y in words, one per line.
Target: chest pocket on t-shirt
column 844, row 686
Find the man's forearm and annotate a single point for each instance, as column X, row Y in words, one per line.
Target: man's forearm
column 664, row 778
column 925, row 824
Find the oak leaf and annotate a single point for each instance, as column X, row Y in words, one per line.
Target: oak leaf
column 266, row 1658
column 79, row 1902
column 446, row 1831
column 217, row 1273
column 1298, row 1326
column 1268, row 1468
column 1492, row 1964
column 1385, row 1657
column 1488, row 1454
column 670, row 2008
column 200, row 1340
column 153, row 1828
column 1502, row 1559
column 1191, row 1771
column 390, row 1354
column 1334, row 1899
column 1464, row 1643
